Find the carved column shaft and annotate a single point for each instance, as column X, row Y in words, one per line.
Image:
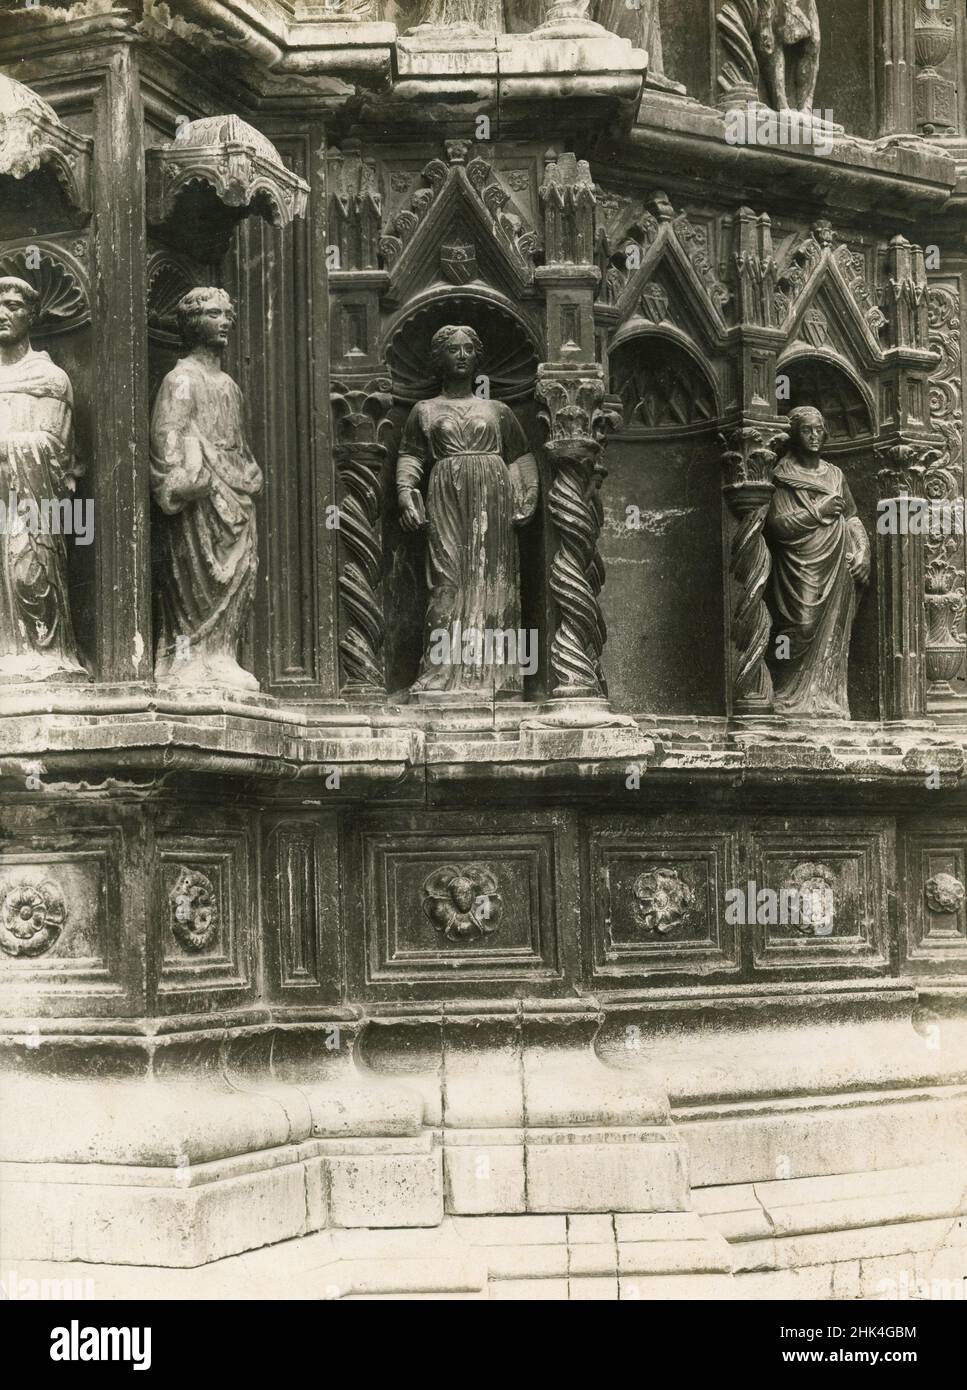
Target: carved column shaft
column 900, row 586
column 575, row 424
column 361, row 423
column 895, row 65
column 748, row 462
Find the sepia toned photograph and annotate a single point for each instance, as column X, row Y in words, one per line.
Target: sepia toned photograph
column 483, row 663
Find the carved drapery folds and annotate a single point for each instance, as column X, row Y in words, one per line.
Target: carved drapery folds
column 775, row 46
column 567, row 195
column 355, row 208
column 32, row 135
column 748, row 459
column 754, row 268
column 244, row 169
column 576, row 424
column 361, row 420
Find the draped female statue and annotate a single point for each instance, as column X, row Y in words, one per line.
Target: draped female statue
column 204, row 480
column 820, row 557
column 37, row 480
column 483, row 482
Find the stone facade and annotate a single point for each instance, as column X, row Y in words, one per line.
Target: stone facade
column 601, row 966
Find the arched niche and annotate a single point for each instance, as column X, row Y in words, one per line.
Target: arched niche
column 662, row 537
column 824, row 380
column 512, row 350
column 829, row 383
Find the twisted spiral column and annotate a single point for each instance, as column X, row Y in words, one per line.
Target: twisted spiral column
column 360, row 470
column 577, row 574
column 750, row 565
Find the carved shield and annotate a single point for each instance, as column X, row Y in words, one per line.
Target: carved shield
column 815, row 327
column 458, row 261
column 654, row 302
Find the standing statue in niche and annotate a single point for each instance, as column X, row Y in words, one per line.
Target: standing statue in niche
column 820, row 558
column 204, row 479
column 37, row 481
column 483, row 483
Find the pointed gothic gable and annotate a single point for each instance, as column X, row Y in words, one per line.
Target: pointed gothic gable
column 675, row 277
column 459, row 230
column 823, row 300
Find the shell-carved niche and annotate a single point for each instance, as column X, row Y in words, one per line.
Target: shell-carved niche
column 170, row 277
column 60, row 278
column 512, row 347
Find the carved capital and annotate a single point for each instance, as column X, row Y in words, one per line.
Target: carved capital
column 902, row 472
column 32, row 135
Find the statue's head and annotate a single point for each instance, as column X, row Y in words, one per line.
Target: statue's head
column 19, row 303
column 455, row 350
column 807, row 429
column 206, row 316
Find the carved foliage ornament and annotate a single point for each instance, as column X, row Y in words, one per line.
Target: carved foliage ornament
column 31, row 135
column 31, row 917
column 462, row 901
column 235, row 160
column 194, row 910
column 663, row 901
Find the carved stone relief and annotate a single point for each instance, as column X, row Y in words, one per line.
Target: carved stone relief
column 32, row 916
column 194, row 910
column 462, row 901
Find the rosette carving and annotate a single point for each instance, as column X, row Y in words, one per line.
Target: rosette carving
column 462, row 901
column 31, row 917
column 663, row 901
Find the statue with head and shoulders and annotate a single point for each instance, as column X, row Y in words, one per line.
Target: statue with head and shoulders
column 820, row 561
column 38, row 473
column 204, row 480
column 483, row 483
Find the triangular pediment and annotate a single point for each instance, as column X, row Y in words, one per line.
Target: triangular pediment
column 827, row 309
column 457, row 242
column 668, row 287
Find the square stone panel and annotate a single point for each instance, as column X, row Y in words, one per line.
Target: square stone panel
column 834, row 877
column 657, row 900
column 935, row 903
column 441, row 907
column 204, row 945
column 55, row 918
